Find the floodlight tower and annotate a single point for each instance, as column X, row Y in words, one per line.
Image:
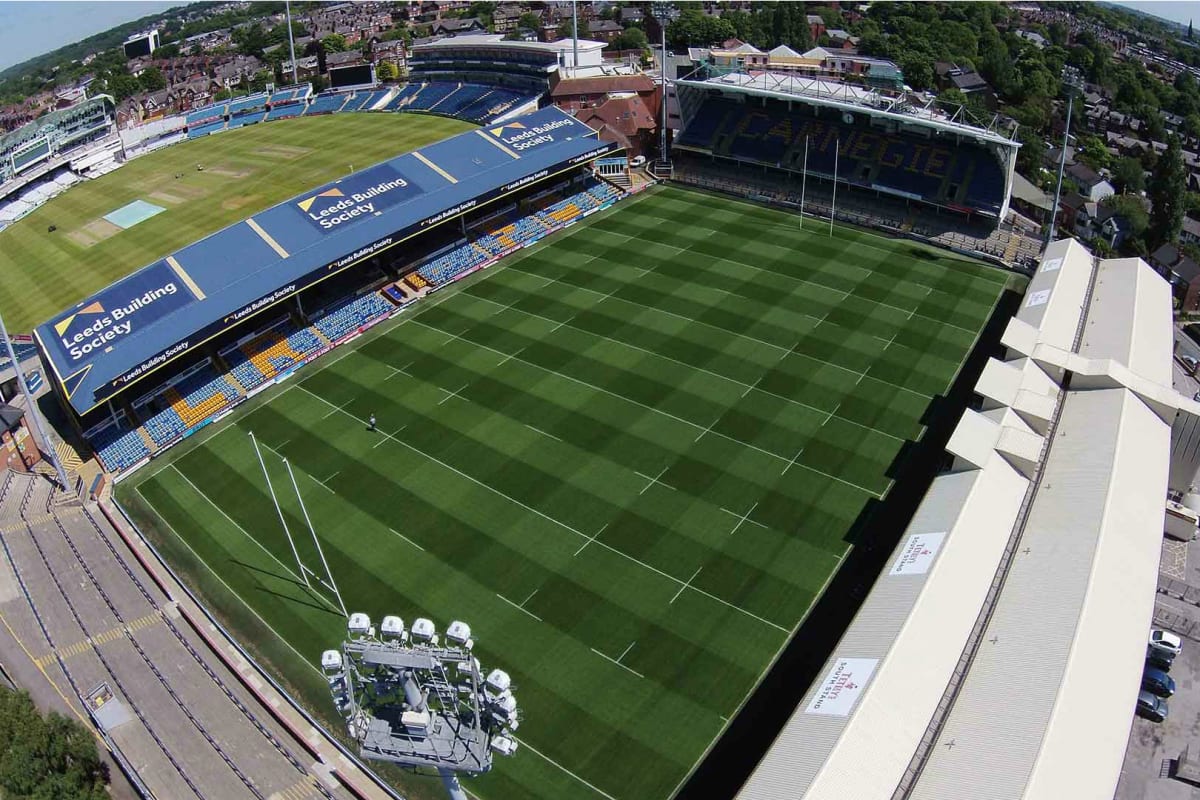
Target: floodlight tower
column 413, row 700
column 665, row 13
column 1072, row 81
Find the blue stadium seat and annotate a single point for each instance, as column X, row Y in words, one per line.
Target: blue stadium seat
column 293, row 109
column 243, row 105
column 119, row 448
column 203, row 130
column 942, row 172
column 430, row 95
column 326, row 104
column 247, row 118
column 351, row 315
column 402, row 98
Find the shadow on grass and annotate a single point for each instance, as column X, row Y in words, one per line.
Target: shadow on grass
column 874, row 535
column 287, row 579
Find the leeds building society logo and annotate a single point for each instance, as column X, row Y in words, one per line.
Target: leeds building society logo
column 92, row 327
column 525, row 137
column 335, row 206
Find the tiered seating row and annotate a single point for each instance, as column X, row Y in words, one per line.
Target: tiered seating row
column 326, row 104
column 351, row 315
column 203, row 130
column 284, row 111
column 959, row 174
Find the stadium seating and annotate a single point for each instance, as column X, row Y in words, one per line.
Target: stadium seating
column 290, row 95
column 402, row 98
column 351, row 315
column 190, row 402
column 243, row 105
column 120, row 447
column 326, row 104
column 286, row 110
column 248, row 118
column 431, row 95
column 465, row 96
column 204, row 130
column 206, row 114
column 946, row 173
column 270, row 353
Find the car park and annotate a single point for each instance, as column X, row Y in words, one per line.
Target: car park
column 1157, row 682
column 1159, row 659
column 1150, row 707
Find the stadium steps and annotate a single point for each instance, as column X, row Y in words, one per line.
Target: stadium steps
column 478, row 249
column 321, row 337
column 1010, row 249
column 151, row 445
column 444, row 99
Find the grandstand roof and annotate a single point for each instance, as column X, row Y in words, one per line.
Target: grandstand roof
column 845, row 96
column 1043, row 699
column 133, row 327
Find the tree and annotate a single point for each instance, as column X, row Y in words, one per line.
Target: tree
column 251, row 40
column 630, row 39
column 1031, row 154
column 1091, row 151
column 334, row 43
column 529, row 20
column 386, row 71
column 1134, row 212
column 151, row 80
column 1167, row 186
column 46, row 757
column 1128, row 176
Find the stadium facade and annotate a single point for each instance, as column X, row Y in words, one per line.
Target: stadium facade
column 1000, row 652
column 134, row 332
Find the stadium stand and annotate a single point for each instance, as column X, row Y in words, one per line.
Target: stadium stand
column 248, row 118
column 119, row 447
column 188, row 403
column 430, row 95
column 950, row 174
column 207, row 128
column 293, row 109
column 207, row 114
column 53, row 135
column 270, row 353
column 352, row 315
column 243, row 105
column 290, row 94
column 404, row 96
column 326, row 104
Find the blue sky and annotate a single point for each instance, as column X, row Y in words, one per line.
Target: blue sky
column 30, row 29
column 1176, row 10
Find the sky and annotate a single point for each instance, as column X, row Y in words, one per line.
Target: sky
column 1175, row 10
column 30, row 29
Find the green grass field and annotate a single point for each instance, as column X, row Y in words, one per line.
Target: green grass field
column 629, row 457
column 245, row 171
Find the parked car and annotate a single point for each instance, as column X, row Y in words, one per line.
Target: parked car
column 1159, row 659
column 1189, row 364
column 1157, row 682
column 1150, row 707
column 1166, row 642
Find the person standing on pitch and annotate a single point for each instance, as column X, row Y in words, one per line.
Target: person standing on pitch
column 371, row 421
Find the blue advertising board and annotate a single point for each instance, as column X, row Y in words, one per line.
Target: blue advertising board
column 367, row 193
column 104, row 320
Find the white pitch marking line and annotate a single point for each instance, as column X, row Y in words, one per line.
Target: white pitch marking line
column 318, row 480
column 519, row 608
column 334, row 475
column 685, row 585
column 542, row 432
column 399, row 371
column 592, row 539
column 338, row 408
column 509, row 356
column 627, row 649
column 453, row 394
column 652, row 481
column 550, row 760
column 637, row 403
column 751, row 387
column 792, row 462
column 383, row 439
column 832, row 413
column 742, row 518
column 618, row 663
column 405, row 538
column 559, row 325
column 706, row 430
column 558, row 522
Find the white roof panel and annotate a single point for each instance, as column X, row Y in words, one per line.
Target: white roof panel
column 1129, row 319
